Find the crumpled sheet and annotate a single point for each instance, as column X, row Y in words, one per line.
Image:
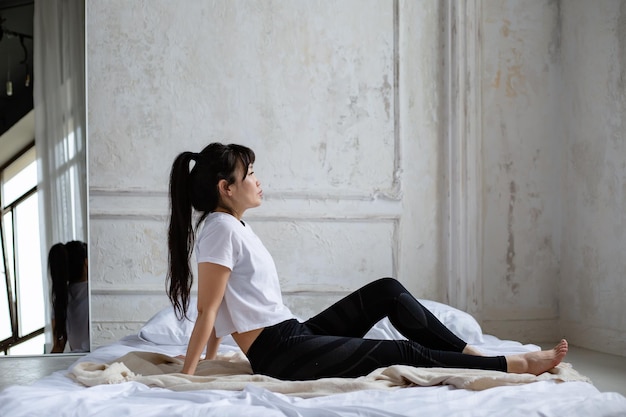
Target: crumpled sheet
column 232, row 372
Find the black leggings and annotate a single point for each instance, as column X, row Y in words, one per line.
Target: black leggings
column 331, row 344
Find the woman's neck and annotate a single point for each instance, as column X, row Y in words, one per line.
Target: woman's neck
column 228, row 211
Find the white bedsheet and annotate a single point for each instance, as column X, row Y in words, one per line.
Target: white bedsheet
column 58, row 395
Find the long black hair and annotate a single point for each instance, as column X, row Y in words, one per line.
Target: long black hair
column 66, row 263
column 196, row 189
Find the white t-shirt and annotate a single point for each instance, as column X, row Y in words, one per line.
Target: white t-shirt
column 78, row 317
column 252, row 298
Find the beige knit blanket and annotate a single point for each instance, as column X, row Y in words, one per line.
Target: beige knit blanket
column 232, row 372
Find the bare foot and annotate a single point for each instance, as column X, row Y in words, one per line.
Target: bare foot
column 471, row 350
column 537, row 362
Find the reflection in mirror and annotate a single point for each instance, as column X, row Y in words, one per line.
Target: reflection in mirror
column 67, row 263
column 42, row 169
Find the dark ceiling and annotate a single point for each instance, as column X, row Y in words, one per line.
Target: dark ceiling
column 16, row 60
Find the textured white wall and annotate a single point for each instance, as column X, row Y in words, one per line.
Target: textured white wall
column 522, row 144
column 369, row 159
column 554, row 167
column 344, row 127
column 593, row 281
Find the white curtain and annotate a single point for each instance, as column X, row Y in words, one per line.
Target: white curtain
column 60, row 121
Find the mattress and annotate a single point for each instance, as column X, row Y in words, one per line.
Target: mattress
column 60, row 394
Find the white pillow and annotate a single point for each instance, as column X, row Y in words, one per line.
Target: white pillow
column 164, row 328
column 459, row 322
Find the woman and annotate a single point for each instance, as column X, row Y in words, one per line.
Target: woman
column 239, row 293
column 70, row 296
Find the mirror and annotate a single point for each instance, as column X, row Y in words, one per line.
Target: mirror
column 42, row 176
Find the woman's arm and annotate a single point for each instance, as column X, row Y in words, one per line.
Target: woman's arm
column 59, row 344
column 214, row 343
column 212, row 280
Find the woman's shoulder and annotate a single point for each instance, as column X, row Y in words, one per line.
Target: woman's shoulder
column 219, row 235
column 218, row 223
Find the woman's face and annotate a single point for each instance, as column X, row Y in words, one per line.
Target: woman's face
column 246, row 193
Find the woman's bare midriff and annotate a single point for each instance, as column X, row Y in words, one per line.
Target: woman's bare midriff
column 245, row 340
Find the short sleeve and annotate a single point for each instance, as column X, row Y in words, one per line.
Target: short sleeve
column 219, row 244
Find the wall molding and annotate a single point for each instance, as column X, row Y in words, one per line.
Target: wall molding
column 150, row 205
column 463, row 98
column 160, row 291
column 375, row 194
column 396, row 185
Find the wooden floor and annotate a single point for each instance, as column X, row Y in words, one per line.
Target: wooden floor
column 608, row 372
column 26, row 370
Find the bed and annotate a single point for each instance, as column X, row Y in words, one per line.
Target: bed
column 103, row 383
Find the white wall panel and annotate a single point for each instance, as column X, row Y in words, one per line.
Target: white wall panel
column 128, row 253
column 322, row 256
column 314, row 89
column 308, row 85
column 521, row 159
column 592, row 285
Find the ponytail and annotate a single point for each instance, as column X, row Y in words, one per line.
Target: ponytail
column 190, row 190
column 180, row 236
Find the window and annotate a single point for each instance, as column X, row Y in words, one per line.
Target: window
column 22, row 308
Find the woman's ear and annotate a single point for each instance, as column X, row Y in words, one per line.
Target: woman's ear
column 224, row 188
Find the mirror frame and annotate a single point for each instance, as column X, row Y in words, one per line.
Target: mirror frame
column 20, row 149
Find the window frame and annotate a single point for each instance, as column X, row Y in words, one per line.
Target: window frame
column 10, row 268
